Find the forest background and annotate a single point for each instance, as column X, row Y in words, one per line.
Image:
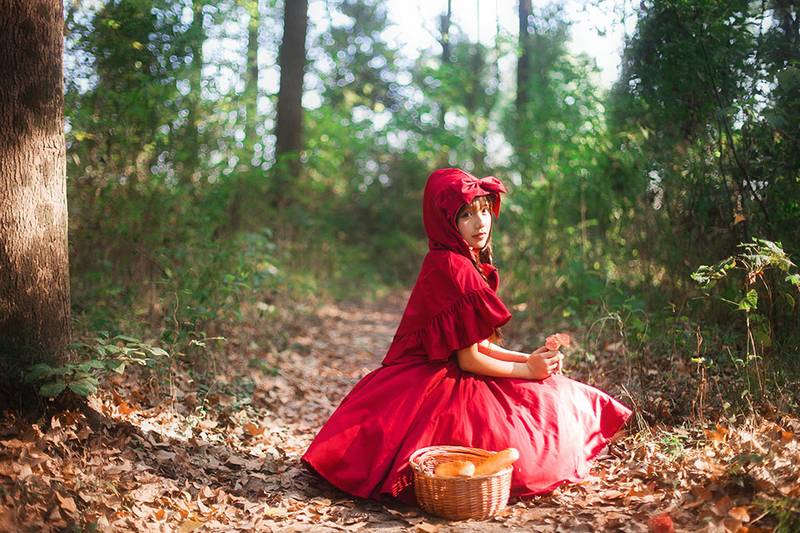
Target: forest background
column 180, row 210
column 235, row 169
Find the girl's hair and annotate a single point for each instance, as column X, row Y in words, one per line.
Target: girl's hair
column 485, row 254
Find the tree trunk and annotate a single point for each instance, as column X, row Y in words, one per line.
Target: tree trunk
column 245, row 166
column 523, row 82
column 197, row 36
column 524, row 61
column 445, row 42
column 289, row 127
column 34, row 264
column 251, row 82
column 474, row 130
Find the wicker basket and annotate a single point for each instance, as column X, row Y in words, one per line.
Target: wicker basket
column 458, row 498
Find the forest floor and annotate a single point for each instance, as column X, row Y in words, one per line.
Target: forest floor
column 226, row 456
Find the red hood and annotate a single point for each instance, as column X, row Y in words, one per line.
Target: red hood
column 446, row 191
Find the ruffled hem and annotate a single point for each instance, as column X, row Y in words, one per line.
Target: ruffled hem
column 472, row 318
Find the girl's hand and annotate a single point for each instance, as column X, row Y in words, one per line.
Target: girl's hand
column 543, row 362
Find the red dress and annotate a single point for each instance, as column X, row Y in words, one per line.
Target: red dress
column 420, row 397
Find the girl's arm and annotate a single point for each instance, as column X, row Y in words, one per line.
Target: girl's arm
column 540, row 365
column 472, row 360
column 498, row 352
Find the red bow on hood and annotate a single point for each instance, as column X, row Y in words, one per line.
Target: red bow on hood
column 451, row 306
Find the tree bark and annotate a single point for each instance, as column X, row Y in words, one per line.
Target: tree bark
column 34, row 264
column 197, row 37
column 523, row 85
column 445, row 42
column 251, row 82
column 289, row 126
column 247, row 154
column 524, row 61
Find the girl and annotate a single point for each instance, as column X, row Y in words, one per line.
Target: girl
column 444, row 382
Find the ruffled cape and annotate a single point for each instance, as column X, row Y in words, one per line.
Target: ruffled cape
column 450, row 307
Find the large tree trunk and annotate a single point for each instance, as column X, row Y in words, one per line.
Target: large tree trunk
column 34, row 266
column 289, row 127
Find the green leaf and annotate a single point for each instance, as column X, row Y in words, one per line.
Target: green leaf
column 794, row 279
column 127, row 339
column 84, row 387
column 38, row 372
column 87, row 366
column 51, row 390
column 707, row 276
column 117, row 366
column 155, row 350
column 750, row 301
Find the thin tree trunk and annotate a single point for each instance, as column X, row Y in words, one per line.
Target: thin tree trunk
column 523, row 84
column 245, row 166
column 191, row 156
column 474, row 134
column 497, row 50
column 524, row 61
column 251, row 82
column 34, row 264
column 445, row 42
column 289, row 126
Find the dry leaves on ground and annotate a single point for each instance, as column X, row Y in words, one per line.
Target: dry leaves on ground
column 226, row 457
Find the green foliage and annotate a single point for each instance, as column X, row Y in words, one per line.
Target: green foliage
column 786, row 512
column 766, row 319
column 755, row 259
column 105, row 354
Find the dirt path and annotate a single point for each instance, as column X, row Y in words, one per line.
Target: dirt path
column 224, row 455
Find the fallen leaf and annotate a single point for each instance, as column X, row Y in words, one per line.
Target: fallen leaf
column 722, row 506
column 25, row 471
column 425, row 527
column 661, row 523
column 67, row 504
column 275, row 512
column 253, row 430
column 718, row 434
column 124, row 408
column 207, row 424
column 189, row 525
column 146, row 493
column 731, row 524
column 739, row 513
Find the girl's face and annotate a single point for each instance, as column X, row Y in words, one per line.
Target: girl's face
column 474, row 222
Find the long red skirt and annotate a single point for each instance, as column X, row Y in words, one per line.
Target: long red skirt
column 558, row 425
